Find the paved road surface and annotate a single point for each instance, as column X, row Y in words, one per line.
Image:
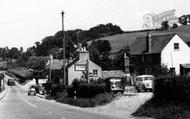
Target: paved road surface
column 17, row 105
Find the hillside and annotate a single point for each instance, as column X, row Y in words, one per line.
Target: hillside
column 119, row 41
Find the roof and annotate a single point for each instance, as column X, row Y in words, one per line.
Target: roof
column 158, row 43
column 112, row 73
column 186, row 66
column 145, row 76
column 56, row 64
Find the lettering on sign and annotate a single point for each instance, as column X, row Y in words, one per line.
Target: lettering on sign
column 80, row 67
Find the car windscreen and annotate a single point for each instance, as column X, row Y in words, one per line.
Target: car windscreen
column 139, row 79
column 148, row 78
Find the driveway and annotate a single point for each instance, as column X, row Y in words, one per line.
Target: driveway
column 124, row 105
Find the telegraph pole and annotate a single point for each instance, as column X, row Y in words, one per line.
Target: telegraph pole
column 64, row 72
column 50, row 65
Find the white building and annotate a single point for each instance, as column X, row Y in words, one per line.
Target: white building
column 175, row 53
column 83, row 66
column 169, row 50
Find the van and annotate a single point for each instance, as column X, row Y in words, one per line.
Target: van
column 144, row 82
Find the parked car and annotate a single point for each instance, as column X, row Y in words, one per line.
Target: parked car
column 11, row 82
column 114, row 84
column 32, row 90
column 144, row 82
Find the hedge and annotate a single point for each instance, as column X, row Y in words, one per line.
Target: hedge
column 85, row 90
column 172, row 89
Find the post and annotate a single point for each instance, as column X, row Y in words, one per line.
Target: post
column 50, row 64
column 64, row 73
column 87, row 71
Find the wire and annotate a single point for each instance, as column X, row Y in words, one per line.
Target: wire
column 109, row 12
column 94, row 15
column 106, row 11
column 100, row 9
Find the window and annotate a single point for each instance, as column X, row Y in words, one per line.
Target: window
column 149, row 58
column 142, row 58
column 176, row 46
column 95, row 72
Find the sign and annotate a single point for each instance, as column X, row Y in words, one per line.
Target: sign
column 153, row 21
column 80, row 67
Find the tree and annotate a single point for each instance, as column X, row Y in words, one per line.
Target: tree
column 14, row 53
column 21, row 50
column 38, row 63
column 99, row 53
column 102, row 30
column 164, row 25
column 94, row 52
column 73, row 37
column 183, row 20
column 38, row 66
column 55, row 52
column 174, row 26
column 119, row 59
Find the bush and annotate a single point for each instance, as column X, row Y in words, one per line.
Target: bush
column 170, row 100
column 90, row 90
column 85, row 90
column 172, row 89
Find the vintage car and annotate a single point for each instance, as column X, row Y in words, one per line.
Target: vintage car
column 32, row 90
column 144, row 82
column 11, row 82
column 114, row 84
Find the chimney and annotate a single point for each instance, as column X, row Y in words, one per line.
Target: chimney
column 149, row 42
column 84, row 54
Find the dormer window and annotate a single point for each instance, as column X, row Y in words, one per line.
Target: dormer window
column 176, row 46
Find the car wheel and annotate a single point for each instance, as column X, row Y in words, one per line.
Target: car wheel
column 145, row 90
column 137, row 89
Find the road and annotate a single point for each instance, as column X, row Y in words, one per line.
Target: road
column 18, row 105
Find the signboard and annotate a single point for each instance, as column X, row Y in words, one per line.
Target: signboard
column 152, row 21
column 80, row 67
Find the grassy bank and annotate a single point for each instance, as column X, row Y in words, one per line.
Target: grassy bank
column 99, row 99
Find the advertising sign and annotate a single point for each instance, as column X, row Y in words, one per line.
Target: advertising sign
column 80, row 67
column 153, row 21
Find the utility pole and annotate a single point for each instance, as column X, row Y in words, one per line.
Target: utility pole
column 64, row 72
column 87, row 71
column 50, row 65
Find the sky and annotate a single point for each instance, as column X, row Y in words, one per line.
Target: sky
column 24, row 22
